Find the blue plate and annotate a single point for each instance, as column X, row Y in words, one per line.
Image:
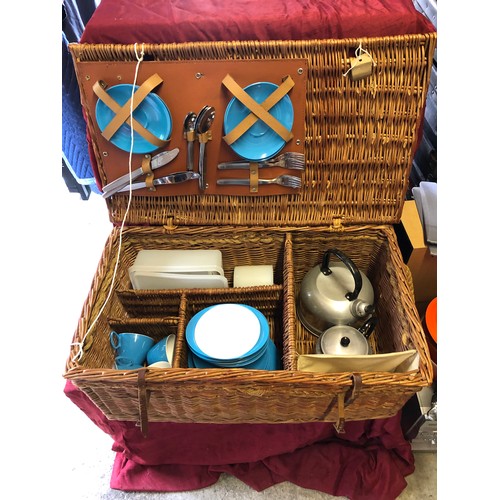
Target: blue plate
column 269, row 360
column 152, row 113
column 259, row 142
column 258, row 346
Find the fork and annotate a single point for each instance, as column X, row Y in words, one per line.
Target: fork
column 283, row 180
column 290, row 159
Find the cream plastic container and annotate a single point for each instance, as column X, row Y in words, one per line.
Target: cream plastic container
column 172, row 269
column 253, row 276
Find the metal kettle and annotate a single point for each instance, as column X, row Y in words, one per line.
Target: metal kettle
column 334, row 294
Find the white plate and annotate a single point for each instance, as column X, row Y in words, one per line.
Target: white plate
column 227, row 331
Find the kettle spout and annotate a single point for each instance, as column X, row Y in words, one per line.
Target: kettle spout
column 361, row 309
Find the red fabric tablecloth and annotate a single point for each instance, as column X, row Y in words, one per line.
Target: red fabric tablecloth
column 176, row 21
column 369, row 461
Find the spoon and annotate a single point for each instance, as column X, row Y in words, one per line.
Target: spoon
column 189, row 129
column 202, row 125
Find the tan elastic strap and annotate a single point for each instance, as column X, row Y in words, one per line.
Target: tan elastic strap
column 254, row 177
column 122, row 113
column 146, row 169
column 143, row 401
column 190, row 135
column 205, row 137
column 259, row 111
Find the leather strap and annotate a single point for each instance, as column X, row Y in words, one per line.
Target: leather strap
column 254, row 177
column 340, row 423
column 353, row 392
column 146, row 169
column 143, row 401
column 344, row 399
column 258, row 111
column 122, row 113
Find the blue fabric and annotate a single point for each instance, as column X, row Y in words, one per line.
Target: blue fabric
column 74, row 140
column 75, row 147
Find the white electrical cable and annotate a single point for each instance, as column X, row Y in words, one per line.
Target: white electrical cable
column 79, row 354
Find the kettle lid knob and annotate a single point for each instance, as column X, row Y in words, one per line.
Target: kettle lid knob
column 345, row 341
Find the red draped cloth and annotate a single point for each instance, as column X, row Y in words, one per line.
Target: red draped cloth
column 172, row 21
column 368, row 462
column 372, row 458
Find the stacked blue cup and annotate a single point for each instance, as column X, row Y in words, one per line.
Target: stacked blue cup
column 131, row 349
column 231, row 336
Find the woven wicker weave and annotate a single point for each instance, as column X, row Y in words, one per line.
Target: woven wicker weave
column 360, row 142
column 360, row 136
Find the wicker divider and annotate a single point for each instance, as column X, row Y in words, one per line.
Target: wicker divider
column 360, row 139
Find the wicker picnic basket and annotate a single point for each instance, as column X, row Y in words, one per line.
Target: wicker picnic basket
column 359, row 140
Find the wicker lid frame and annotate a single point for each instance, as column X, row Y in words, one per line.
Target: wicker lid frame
column 360, row 136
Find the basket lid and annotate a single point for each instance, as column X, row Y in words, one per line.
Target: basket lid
column 358, row 136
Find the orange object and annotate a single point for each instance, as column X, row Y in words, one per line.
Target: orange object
column 431, row 318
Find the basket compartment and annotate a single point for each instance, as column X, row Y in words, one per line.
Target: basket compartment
column 269, row 302
column 370, row 250
column 157, row 328
column 237, row 247
column 239, row 395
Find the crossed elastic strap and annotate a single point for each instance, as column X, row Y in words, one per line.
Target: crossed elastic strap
column 258, row 111
column 122, row 112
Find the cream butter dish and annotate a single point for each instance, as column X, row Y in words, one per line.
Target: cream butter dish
column 180, row 261
column 144, row 280
column 173, row 269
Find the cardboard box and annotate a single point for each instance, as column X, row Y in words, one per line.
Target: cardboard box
column 416, row 255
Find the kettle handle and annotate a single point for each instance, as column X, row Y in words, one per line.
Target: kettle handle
column 368, row 326
column 325, row 269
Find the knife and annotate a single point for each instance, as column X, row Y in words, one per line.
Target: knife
column 175, row 178
column 157, row 161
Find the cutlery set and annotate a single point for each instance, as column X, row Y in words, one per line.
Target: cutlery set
column 197, row 127
column 288, row 160
column 290, row 181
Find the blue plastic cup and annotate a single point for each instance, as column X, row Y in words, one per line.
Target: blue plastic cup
column 133, row 346
column 123, row 363
column 158, row 352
